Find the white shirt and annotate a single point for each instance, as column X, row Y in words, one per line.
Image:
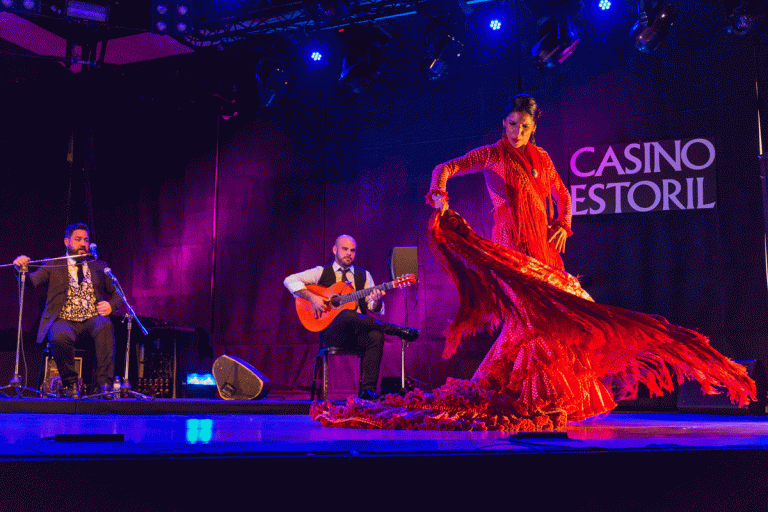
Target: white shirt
column 72, row 268
column 299, row 281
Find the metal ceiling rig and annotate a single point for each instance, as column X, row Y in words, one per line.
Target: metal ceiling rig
column 293, row 17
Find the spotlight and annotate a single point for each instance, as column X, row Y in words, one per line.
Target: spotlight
column 443, row 22
column 272, row 79
column 742, row 18
column 652, row 28
column 363, row 60
column 495, row 25
column 21, row 6
column 558, row 38
column 172, row 18
column 444, row 54
column 604, row 5
column 316, row 56
column 87, row 11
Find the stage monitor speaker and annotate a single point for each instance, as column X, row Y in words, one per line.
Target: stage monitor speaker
column 238, row 380
column 403, row 260
column 692, row 398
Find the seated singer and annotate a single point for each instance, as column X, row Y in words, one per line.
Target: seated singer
column 75, row 306
column 352, row 329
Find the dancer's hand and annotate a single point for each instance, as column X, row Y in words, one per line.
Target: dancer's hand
column 559, row 237
column 440, row 202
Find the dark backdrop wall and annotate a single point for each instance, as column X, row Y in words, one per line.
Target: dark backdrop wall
column 285, row 182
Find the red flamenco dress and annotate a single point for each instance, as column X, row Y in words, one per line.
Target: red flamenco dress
column 560, row 356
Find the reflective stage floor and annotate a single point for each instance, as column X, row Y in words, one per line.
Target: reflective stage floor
column 172, row 461
column 25, row 435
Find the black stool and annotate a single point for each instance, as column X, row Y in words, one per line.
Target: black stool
column 321, row 364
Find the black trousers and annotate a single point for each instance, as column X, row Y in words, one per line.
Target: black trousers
column 64, row 334
column 354, row 331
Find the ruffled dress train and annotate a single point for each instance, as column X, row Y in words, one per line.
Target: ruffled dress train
column 560, row 356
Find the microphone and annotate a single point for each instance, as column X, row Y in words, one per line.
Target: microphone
column 108, row 271
column 93, row 252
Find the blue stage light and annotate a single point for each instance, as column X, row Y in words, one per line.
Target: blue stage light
column 605, row 5
column 201, row 379
column 199, row 430
column 316, row 56
column 496, row 24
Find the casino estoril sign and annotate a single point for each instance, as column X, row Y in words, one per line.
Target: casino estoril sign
column 643, row 177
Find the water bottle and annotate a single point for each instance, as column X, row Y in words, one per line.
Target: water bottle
column 116, row 386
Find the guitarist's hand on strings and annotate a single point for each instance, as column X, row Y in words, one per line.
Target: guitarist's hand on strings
column 319, row 305
column 375, row 299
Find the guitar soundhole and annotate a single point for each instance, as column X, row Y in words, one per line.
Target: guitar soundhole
column 335, row 301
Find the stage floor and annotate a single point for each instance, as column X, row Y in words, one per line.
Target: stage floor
column 213, row 460
column 30, row 435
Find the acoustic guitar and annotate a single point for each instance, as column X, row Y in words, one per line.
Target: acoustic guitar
column 340, row 296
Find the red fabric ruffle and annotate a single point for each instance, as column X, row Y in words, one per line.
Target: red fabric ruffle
column 560, row 356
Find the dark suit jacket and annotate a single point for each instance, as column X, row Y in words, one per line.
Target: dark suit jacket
column 56, row 276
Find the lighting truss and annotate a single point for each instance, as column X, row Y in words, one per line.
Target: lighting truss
column 292, row 18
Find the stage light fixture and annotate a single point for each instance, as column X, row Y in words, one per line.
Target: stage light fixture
column 172, row 18
column 558, row 38
column 316, row 56
column 21, row 6
column 742, row 18
column 495, row 25
column 87, row 11
column 651, row 28
column 444, row 53
column 200, row 385
column 201, row 379
column 363, row 59
column 444, row 22
column 272, row 79
column 604, row 5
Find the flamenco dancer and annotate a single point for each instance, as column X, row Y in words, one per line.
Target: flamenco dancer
column 559, row 356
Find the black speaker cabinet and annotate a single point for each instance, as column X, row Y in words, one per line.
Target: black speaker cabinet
column 691, row 398
column 404, row 260
column 238, row 380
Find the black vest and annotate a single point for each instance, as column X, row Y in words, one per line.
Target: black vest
column 328, row 278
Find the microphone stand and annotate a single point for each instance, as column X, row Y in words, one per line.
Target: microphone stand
column 15, row 382
column 129, row 316
column 402, row 350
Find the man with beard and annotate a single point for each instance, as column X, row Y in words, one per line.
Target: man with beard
column 352, row 329
column 76, row 305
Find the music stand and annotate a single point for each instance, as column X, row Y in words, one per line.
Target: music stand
column 403, row 260
column 15, row 382
column 129, row 316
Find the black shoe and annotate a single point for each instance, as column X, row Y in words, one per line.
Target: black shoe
column 406, row 333
column 369, row 394
column 105, row 388
column 69, row 391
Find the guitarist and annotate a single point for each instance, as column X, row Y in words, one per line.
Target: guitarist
column 352, row 329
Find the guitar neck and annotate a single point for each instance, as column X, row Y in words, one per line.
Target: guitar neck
column 350, row 297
